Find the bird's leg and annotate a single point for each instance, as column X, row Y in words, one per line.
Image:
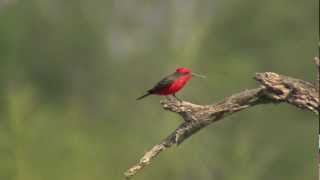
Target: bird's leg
column 174, row 95
column 169, row 98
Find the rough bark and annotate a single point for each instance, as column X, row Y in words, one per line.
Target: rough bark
column 274, row 88
column 317, row 61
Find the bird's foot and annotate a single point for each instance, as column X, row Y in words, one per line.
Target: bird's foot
column 172, row 99
column 168, row 98
column 177, row 98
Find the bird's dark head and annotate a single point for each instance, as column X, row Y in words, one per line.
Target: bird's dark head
column 183, row 70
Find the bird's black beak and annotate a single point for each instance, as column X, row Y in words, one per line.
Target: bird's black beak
column 198, row 75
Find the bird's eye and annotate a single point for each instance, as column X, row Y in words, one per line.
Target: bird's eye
column 183, row 73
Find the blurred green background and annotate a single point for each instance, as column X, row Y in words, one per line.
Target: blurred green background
column 70, row 72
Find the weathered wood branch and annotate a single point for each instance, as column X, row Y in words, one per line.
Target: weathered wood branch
column 317, row 61
column 274, row 88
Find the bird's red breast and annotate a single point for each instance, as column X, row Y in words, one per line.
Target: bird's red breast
column 174, row 86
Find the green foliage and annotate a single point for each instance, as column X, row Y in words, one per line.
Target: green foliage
column 70, row 72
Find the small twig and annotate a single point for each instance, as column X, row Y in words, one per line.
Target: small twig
column 274, row 88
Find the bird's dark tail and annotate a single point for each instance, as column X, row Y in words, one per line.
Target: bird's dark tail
column 147, row 94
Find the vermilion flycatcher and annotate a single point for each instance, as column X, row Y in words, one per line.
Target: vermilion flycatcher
column 172, row 83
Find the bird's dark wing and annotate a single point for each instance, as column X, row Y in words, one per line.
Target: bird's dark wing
column 165, row 82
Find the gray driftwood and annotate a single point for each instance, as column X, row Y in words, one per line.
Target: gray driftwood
column 274, row 88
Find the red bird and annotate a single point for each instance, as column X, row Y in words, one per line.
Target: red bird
column 171, row 83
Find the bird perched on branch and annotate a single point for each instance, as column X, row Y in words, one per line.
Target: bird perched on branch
column 172, row 83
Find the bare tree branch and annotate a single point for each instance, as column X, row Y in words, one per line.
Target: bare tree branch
column 317, row 61
column 274, row 88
